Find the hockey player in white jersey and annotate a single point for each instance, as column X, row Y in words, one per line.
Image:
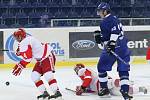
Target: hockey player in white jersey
column 90, row 82
column 29, row 48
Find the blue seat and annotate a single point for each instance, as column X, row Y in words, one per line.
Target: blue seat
column 32, row 1
column 23, row 21
column 78, row 3
column 25, row 5
column 17, row 25
column 8, row 15
column 48, row 14
column 45, row 1
column 115, row 3
column 126, row 3
column 19, row 1
column 2, row 5
column 96, row 2
column 88, row 3
column 57, row 14
column 3, row 26
column 137, row 12
column 30, row 25
column 21, row 15
column 38, row 4
column 147, row 3
column 64, row 3
column 146, row 14
column 86, row 14
column 35, row 15
column 139, row 3
column 52, row 3
column 72, row 14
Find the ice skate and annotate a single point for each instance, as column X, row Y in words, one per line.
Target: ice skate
column 56, row 96
column 43, row 96
column 143, row 89
column 104, row 93
column 125, row 95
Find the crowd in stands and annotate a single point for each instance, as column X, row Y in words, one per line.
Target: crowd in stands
column 38, row 13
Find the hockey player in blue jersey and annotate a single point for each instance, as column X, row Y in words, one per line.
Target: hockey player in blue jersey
column 112, row 38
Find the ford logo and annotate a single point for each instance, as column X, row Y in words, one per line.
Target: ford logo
column 83, row 44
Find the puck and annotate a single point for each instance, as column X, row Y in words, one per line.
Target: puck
column 7, row 83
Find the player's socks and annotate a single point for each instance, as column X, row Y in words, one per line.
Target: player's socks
column 43, row 96
column 103, row 79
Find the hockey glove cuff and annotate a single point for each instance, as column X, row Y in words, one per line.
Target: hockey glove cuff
column 110, row 46
column 17, row 69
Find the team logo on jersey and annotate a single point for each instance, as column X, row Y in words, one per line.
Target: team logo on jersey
column 9, row 46
column 83, row 44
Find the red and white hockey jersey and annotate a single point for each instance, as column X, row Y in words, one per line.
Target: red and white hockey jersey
column 89, row 78
column 148, row 54
column 90, row 81
column 30, row 48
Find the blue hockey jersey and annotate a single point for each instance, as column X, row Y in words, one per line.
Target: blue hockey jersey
column 110, row 25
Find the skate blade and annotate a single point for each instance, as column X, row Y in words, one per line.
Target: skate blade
column 43, row 98
column 105, row 96
column 40, row 99
column 127, row 99
column 59, row 98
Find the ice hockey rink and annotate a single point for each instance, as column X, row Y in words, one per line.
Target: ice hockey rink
column 22, row 88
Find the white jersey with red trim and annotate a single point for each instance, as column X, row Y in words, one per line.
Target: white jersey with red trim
column 30, row 48
column 94, row 84
column 83, row 74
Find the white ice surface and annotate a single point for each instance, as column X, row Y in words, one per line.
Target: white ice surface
column 22, row 87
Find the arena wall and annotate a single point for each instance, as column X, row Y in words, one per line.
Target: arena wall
column 59, row 39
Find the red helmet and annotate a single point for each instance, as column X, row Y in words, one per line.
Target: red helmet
column 20, row 33
column 78, row 67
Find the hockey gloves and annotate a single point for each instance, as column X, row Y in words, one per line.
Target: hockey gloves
column 110, row 46
column 97, row 37
column 80, row 90
column 17, row 69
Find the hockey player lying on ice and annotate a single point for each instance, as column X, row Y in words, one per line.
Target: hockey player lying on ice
column 91, row 84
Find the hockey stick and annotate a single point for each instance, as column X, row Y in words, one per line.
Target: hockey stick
column 4, row 50
column 118, row 57
column 70, row 90
column 84, row 93
column 7, row 50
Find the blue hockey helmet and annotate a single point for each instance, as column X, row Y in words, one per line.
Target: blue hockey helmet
column 103, row 6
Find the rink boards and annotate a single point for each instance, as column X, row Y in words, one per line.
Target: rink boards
column 74, row 44
column 90, row 63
